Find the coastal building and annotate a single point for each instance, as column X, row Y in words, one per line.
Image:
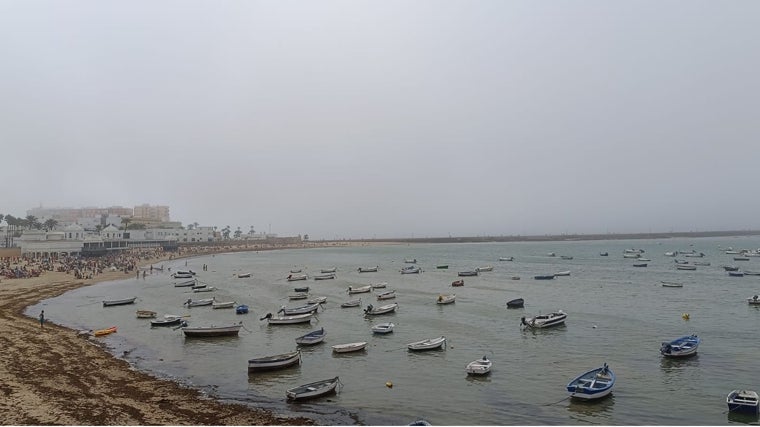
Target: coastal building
column 152, row 213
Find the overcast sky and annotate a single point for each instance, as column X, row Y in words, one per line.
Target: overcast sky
column 355, row 119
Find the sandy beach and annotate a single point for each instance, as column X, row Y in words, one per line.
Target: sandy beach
column 53, row 376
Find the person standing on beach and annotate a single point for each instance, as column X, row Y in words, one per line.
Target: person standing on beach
column 42, row 319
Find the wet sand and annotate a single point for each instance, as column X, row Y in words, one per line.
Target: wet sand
column 52, row 375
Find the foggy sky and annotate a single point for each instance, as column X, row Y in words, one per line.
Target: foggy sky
column 355, row 119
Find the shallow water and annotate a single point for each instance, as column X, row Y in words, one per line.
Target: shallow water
column 617, row 314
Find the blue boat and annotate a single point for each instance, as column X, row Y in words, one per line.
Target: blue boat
column 681, row 347
column 593, row 384
column 241, row 309
column 743, row 401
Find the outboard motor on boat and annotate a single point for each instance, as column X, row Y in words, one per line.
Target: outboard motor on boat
column 522, row 321
column 368, row 309
column 268, row 316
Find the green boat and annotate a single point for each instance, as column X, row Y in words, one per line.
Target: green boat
column 442, row 266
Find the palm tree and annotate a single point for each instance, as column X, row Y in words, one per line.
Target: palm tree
column 50, row 224
column 126, row 220
column 32, row 222
column 238, row 232
column 226, row 232
column 250, row 233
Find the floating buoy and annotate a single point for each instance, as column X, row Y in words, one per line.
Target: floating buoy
column 685, row 316
column 389, row 384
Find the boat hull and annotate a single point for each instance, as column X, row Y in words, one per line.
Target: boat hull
column 272, row 363
column 224, row 331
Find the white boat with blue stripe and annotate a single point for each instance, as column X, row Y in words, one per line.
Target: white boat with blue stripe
column 593, row 384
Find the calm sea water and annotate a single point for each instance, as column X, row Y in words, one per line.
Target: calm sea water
column 617, row 314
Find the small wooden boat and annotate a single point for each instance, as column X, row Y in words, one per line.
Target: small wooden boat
column 485, row 268
column 107, row 331
column 359, row 290
column 313, row 390
column 317, row 300
column 686, row 267
column 411, row 261
column 566, row 257
column 642, row 259
column 348, row 348
column 741, row 258
column 294, row 277
column 516, row 303
column 544, row 320
column 329, row 270
column 478, row 367
column 442, row 266
column 508, row 258
column 212, row 331
column 352, row 303
column 324, row 276
column 702, row 263
column 384, row 309
column 279, row 361
column 754, row 300
column 383, row 328
column 515, row 277
column 604, row 254
column 381, row 285
column 198, row 302
column 446, row 299
column 224, row 304
column 205, row 289
column 681, row 347
column 241, row 309
column 179, row 275
column 751, row 273
column 185, row 284
column 459, row 282
column 562, row 273
column 367, row 269
column 300, row 295
column 730, row 268
column 288, row 320
column 146, row 314
column 243, row 275
column 743, row 401
column 428, row 344
column 671, row 284
column 301, row 289
column 544, row 277
column 467, row 273
column 199, row 286
column 109, row 303
column 643, row 264
column 593, row 384
column 295, row 270
column 386, row 295
column 313, row 337
column 736, row 274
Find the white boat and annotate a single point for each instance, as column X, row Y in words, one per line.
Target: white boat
column 631, row 255
column 386, row 295
column 412, row 269
column 224, row 304
column 380, row 285
column 145, row 314
column 198, row 302
column 754, row 300
column 288, row 320
column 329, row 270
column 642, row 259
column 428, row 344
column 486, row 268
column 348, row 348
column 327, row 276
column 384, row 309
column 294, row 277
column 212, row 331
column 299, row 295
column 411, row 261
column 313, row 337
column 313, row 390
column 545, row 320
column 479, row 367
column 446, row 299
column 593, row 384
column 108, row 303
column 671, row 284
column 352, row 303
column 367, row 269
column 303, row 309
column 509, row 258
column 317, row 300
column 184, row 284
column 685, row 267
column 243, row 275
column 279, row 361
column 383, row 328
column 562, row 273
column 206, row 289
column 681, row 347
column 359, row 290
column 673, row 253
column 743, row 401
